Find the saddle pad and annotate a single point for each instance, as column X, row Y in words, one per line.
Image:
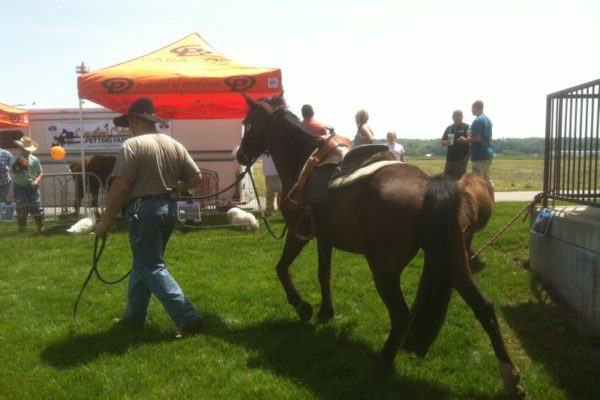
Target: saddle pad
column 359, row 174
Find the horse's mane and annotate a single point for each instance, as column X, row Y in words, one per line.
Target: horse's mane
column 279, row 105
column 297, row 137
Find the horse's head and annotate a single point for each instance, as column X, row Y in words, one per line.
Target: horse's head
column 255, row 139
column 267, row 125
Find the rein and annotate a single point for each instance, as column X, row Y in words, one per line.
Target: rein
column 235, row 182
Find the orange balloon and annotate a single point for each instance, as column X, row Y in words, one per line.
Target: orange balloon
column 57, row 152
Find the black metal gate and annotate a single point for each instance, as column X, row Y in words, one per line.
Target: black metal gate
column 571, row 168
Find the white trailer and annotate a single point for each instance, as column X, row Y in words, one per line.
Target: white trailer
column 211, row 143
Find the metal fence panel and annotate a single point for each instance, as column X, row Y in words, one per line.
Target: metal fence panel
column 572, row 147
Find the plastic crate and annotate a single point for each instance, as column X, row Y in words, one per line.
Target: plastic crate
column 188, row 211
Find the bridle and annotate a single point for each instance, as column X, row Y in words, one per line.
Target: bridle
column 263, row 131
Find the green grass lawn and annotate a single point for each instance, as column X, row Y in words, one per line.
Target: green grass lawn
column 508, row 173
column 254, row 347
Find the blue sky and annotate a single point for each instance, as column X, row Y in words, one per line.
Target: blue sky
column 409, row 63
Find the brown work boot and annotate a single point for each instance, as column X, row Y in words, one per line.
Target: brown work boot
column 191, row 329
column 122, row 322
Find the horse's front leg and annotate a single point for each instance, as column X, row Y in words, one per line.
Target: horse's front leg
column 484, row 311
column 327, row 310
column 292, row 248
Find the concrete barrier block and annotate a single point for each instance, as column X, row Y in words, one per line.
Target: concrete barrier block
column 567, row 259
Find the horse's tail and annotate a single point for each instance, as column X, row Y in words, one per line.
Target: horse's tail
column 441, row 241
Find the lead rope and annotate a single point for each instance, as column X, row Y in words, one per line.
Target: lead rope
column 262, row 214
column 529, row 208
column 98, row 252
column 94, row 270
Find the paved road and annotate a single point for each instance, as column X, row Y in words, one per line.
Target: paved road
column 515, row 196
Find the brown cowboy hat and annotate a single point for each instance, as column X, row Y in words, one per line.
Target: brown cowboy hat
column 142, row 107
column 27, row 143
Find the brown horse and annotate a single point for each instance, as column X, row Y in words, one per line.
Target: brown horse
column 98, row 169
column 477, row 205
column 387, row 217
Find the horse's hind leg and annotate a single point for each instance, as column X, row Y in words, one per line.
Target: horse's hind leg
column 327, row 310
column 484, row 311
column 387, row 282
column 290, row 251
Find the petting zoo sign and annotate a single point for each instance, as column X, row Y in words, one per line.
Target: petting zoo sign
column 93, row 134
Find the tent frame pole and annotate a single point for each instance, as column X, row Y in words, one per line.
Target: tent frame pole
column 82, row 155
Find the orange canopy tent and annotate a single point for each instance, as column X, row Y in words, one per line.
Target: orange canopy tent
column 187, row 80
column 11, row 117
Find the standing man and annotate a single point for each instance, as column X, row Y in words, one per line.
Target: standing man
column 272, row 184
column 457, row 156
column 27, row 178
column 481, row 147
column 150, row 168
column 5, row 158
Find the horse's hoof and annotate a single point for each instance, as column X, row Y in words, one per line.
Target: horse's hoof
column 304, row 311
column 385, row 360
column 511, row 375
column 325, row 315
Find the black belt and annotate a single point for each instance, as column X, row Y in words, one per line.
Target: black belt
column 149, row 197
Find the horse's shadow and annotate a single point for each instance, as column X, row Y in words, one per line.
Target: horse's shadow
column 553, row 336
column 80, row 349
column 322, row 358
column 326, row 360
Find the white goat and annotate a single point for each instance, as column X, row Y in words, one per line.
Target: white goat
column 242, row 220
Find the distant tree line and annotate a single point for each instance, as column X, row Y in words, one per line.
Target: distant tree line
column 507, row 147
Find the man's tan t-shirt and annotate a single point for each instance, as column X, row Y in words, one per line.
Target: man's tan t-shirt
column 154, row 162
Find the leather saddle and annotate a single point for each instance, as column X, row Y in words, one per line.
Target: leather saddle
column 316, row 186
column 363, row 155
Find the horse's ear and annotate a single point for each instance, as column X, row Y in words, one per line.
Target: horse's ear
column 280, row 100
column 249, row 100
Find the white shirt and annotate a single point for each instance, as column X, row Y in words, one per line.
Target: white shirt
column 397, row 150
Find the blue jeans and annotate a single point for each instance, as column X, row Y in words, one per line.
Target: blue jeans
column 29, row 200
column 151, row 222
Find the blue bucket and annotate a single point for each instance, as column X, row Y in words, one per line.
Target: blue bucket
column 7, row 211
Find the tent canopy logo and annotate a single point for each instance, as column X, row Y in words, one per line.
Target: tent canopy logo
column 241, row 82
column 117, row 85
column 190, row 51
